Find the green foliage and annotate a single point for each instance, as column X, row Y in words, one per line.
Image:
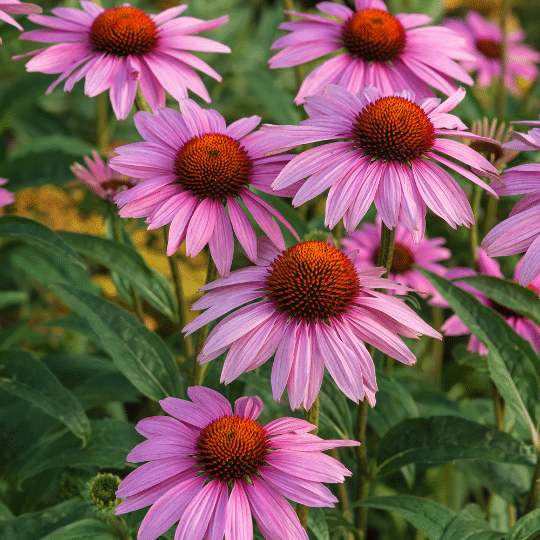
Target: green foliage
column 526, row 528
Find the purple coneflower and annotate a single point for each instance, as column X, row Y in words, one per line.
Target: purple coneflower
column 489, row 267
column 101, row 179
column 484, row 43
column 313, row 310
column 119, row 47
column 406, row 257
column 521, row 231
column 195, row 166
column 213, row 469
column 380, row 49
column 387, row 153
column 18, row 8
column 6, row 197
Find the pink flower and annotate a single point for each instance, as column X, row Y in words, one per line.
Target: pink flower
column 386, row 151
column 15, row 6
column 6, row 197
column 101, row 179
column 381, row 50
column 521, row 231
column 524, row 327
column 119, row 47
column 484, row 40
column 407, row 256
column 312, row 309
column 195, row 165
column 194, row 461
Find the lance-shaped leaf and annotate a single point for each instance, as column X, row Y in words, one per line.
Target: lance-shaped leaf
column 470, row 524
column 513, row 364
column 30, row 379
column 440, row 439
column 526, row 528
column 140, row 354
column 130, row 265
column 83, row 530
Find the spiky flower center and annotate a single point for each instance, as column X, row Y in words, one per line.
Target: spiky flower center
column 213, row 166
column 102, row 490
column 489, row 48
column 402, row 259
column 312, row 281
column 393, row 128
column 232, row 447
column 122, row 31
column 373, row 35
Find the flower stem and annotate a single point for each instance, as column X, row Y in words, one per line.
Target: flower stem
column 311, row 416
column 534, row 492
column 386, row 250
column 362, row 470
column 503, row 23
column 101, row 121
column 343, row 498
column 473, row 231
column 198, row 371
column 491, row 213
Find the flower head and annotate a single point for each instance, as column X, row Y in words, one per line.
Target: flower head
column 380, row 49
column 521, row 231
column 386, row 151
column 195, row 166
column 6, row 197
column 16, row 7
column 312, row 309
column 406, row 257
column 119, row 47
column 484, row 43
column 101, row 179
column 207, row 449
column 523, row 326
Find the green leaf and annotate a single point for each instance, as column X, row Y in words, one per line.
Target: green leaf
column 509, row 294
column 9, row 298
column 427, row 516
column 277, row 102
column 440, row 439
column 37, row 524
column 47, row 267
column 30, row 379
column 130, row 265
column 513, row 364
column 37, row 234
column 316, row 523
column 83, row 530
column 470, row 524
column 51, row 142
column 111, row 441
column 139, row 353
column 526, row 528
column 5, row 512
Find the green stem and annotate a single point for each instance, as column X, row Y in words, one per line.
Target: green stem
column 311, row 416
column 534, row 492
column 338, row 233
column 437, row 349
column 491, row 213
column 386, row 249
column 503, row 23
column 362, row 469
column 102, row 115
column 198, row 371
column 473, row 231
column 343, row 497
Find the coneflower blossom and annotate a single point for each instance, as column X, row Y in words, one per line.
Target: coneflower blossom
column 310, row 307
column 385, row 149
column 212, row 469
column 18, row 8
column 407, row 256
column 523, row 326
column 6, row 197
column 380, row 49
column 484, row 43
column 101, row 179
column 119, row 47
column 195, row 166
column 521, row 231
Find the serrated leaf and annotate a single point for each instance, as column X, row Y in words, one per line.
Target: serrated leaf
column 139, row 353
column 31, row 526
column 513, row 364
column 441, row 439
column 83, row 530
column 37, row 234
column 526, row 528
column 427, row 516
column 509, row 294
column 470, row 524
column 130, row 265
column 111, row 441
column 30, row 379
